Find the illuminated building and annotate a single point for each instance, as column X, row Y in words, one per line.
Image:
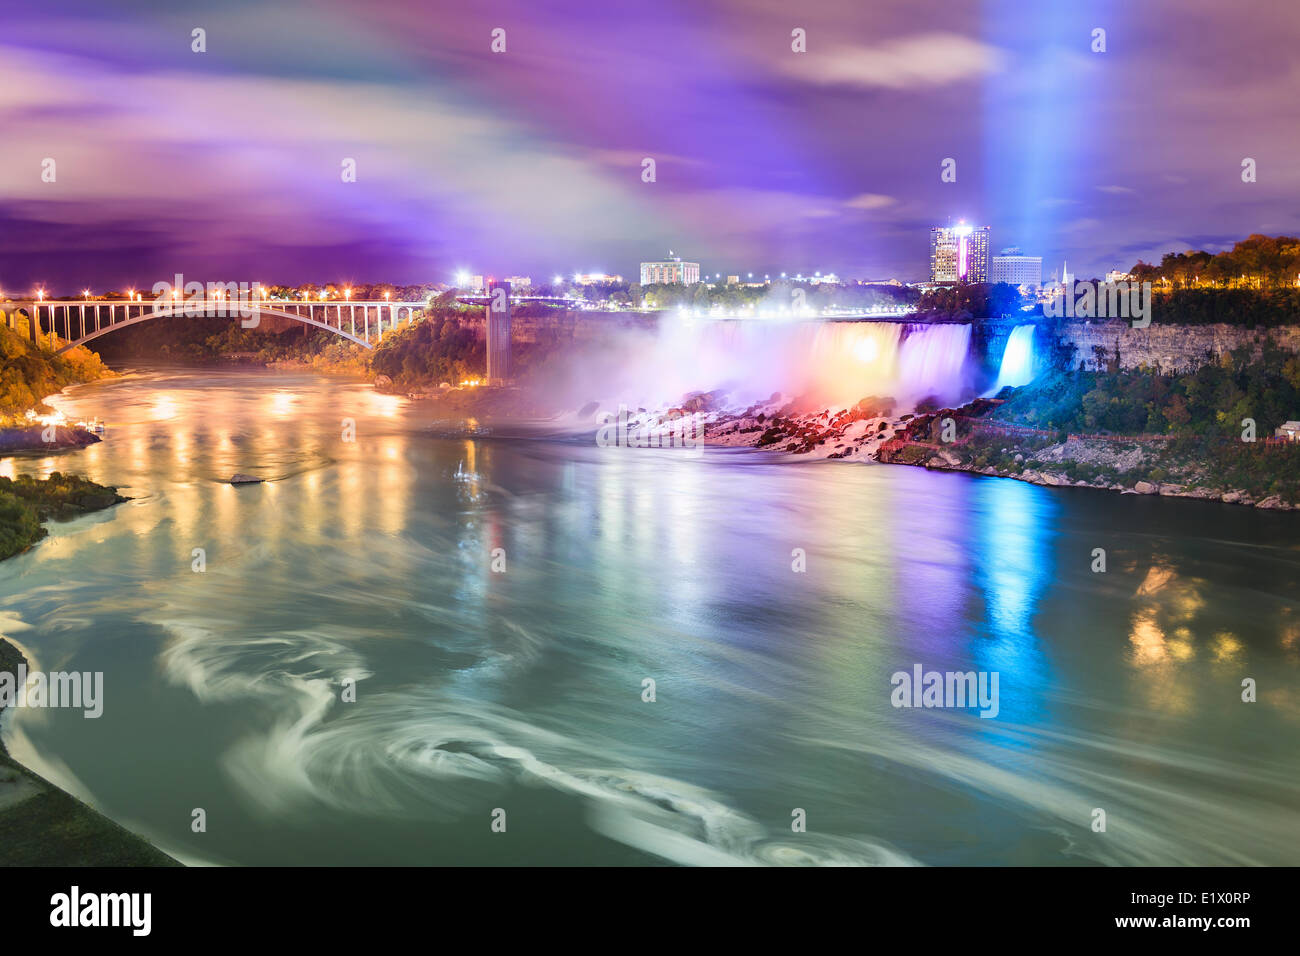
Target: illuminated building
column 1013, row 268
column 959, row 253
column 671, row 271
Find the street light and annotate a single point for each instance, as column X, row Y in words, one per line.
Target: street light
column 347, row 293
column 86, row 294
column 40, row 295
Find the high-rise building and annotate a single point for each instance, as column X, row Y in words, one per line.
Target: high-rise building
column 1017, row 269
column 498, row 332
column 671, row 271
column 959, row 253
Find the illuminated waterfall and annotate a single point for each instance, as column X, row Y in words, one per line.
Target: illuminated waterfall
column 933, row 362
column 1017, row 366
column 831, row 363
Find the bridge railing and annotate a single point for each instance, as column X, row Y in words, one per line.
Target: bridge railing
column 363, row 321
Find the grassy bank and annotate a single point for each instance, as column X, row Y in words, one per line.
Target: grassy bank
column 29, row 373
column 27, row 502
column 1172, row 434
column 40, row 825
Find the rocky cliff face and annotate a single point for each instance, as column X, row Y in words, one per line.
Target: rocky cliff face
column 1170, row 348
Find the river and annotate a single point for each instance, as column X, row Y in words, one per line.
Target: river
column 514, row 699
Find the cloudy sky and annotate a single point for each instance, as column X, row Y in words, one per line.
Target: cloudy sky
column 226, row 165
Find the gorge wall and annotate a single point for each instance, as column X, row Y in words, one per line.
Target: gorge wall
column 1167, row 347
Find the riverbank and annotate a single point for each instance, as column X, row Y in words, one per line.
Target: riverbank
column 967, row 439
column 40, row 438
column 26, row 503
column 41, row 825
column 33, row 372
column 977, row 442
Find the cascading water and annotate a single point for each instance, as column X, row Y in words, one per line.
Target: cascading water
column 836, row 363
column 933, row 361
column 1017, row 366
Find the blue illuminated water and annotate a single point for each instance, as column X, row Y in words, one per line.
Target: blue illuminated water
column 522, row 691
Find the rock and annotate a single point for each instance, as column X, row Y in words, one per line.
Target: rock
column 1170, row 489
column 1146, row 488
column 383, row 381
column 1274, row 502
column 1230, row 497
column 240, row 479
column 96, row 502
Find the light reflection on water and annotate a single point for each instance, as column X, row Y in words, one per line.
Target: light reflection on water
column 370, row 560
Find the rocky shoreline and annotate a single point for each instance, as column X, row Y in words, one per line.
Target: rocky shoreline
column 26, row 503
column 920, row 443
column 31, row 438
column 871, row 430
column 1057, row 480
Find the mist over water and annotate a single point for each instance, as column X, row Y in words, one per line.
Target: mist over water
column 831, row 363
column 370, row 562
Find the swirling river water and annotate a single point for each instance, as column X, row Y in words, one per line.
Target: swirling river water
column 517, row 696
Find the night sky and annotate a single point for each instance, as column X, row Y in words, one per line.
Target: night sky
column 225, row 165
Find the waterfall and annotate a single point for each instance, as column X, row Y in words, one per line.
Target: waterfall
column 835, row 363
column 933, row 361
column 1017, row 366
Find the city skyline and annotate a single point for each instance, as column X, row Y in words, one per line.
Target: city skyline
column 228, row 162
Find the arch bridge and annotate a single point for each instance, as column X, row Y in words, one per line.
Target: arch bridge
column 76, row 323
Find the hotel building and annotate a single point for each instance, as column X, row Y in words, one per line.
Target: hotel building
column 670, row 272
column 959, row 253
column 1015, row 269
